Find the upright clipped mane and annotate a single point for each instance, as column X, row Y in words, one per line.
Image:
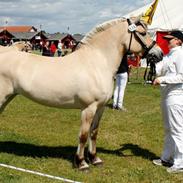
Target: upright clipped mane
column 100, row 28
column 19, row 42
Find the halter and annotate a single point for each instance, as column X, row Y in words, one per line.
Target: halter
column 152, row 72
column 132, row 29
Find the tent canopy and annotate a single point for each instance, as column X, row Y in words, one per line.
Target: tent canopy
column 168, row 15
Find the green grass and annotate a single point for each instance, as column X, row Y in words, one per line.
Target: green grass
column 45, row 139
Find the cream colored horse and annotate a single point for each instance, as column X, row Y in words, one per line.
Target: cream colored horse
column 19, row 46
column 22, row 46
column 83, row 79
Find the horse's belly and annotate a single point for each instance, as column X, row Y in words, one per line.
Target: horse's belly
column 59, row 102
column 52, row 98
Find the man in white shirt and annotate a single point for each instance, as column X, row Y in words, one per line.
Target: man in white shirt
column 170, row 71
column 59, row 48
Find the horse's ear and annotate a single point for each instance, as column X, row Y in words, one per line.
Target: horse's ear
column 140, row 21
column 137, row 19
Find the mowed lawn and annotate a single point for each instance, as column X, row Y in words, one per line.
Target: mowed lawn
column 45, row 139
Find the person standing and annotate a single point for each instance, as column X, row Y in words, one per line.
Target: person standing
column 170, row 71
column 59, row 48
column 133, row 61
column 52, row 49
column 121, row 81
column 46, row 49
column 41, row 46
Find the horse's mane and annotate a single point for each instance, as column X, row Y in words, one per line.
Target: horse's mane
column 22, row 45
column 18, row 42
column 99, row 28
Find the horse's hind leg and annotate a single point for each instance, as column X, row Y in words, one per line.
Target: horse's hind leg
column 5, row 101
column 6, row 93
column 92, row 154
column 87, row 116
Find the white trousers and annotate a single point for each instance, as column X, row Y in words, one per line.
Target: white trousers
column 172, row 109
column 121, row 81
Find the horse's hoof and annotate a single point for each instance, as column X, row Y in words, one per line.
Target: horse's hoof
column 84, row 167
column 81, row 164
column 97, row 162
column 94, row 160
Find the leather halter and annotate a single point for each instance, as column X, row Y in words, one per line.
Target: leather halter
column 140, row 40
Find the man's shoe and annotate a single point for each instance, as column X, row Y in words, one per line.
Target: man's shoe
column 160, row 162
column 122, row 109
column 115, row 108
column 173, row 169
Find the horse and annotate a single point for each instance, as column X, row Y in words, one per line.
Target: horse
column 81, row 80
column 19, row 46
column 22, row 46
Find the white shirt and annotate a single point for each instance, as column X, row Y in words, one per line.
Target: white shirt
column 59, row 46
column 171, row 71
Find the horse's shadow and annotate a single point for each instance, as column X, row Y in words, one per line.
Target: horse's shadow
column 67, row 152
column 135, row 150
column 31, row 150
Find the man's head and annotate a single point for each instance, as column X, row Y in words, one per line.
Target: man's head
column 175, row 38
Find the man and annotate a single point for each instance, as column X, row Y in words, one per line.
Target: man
column 59, row 48
column 170, row 71
column 121, row 82
column 46, row 49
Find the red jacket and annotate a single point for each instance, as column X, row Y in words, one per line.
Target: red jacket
column 53, row 48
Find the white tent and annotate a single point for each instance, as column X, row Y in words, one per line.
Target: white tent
column 168, row 15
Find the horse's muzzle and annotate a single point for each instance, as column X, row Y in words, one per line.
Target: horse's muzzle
column 155, row 54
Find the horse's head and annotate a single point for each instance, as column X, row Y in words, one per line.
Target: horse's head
column 23, row 46
column 27, row 47
column 139, row 41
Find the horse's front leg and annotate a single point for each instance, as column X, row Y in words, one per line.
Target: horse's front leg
column 87, row 116
column 92, row 153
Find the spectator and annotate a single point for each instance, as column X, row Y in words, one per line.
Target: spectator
column 133, row 61
column 121, row 81
column 59, row 48
column 41, row 46
column 46, row 49
column 52, row 49
column 11, row 42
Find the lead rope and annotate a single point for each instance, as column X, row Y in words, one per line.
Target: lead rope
column 152, row 72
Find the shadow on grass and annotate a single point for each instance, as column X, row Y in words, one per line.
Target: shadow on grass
column 67, row 152
column 135, row 150
column 31, row 150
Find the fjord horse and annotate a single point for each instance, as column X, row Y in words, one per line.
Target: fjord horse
column 83, row 80
column 19, row 46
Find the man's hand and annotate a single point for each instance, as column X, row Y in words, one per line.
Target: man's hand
column 156, row 81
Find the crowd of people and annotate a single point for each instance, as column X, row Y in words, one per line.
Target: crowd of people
column 50, row 49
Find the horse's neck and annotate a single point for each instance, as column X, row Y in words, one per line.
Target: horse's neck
column 18, row 46
column 108, row 44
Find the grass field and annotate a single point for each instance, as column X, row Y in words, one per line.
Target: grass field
column 45, row 139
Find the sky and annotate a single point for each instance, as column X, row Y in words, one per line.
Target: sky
column 69, row 16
